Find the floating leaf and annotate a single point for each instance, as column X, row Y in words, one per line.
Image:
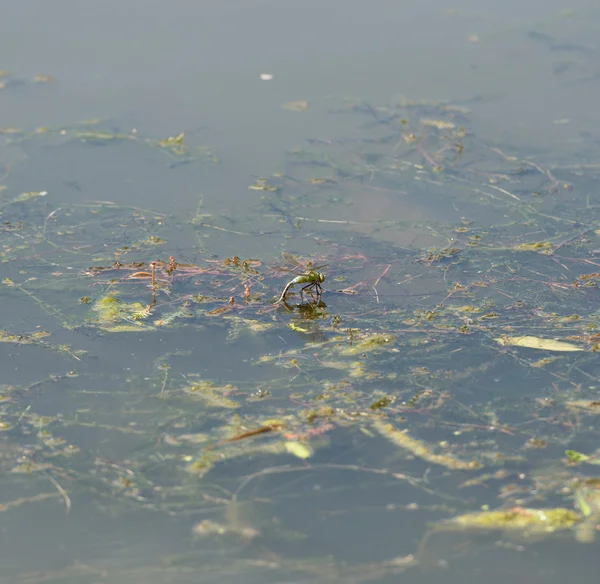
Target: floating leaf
column 298, row 449
column 296, row 106
column 210, row 528
column 43, row 78
column 419, row 448
column 175, row 144
column 262, row 184
column 99, row 137
column 575, row 457
column 537, row 343
column 212, row 395
column 537, row 246
column 29, row 195
column 365, row 343
column 582, row 503
column 517, row 519
column 439, row 124
column 589, row 406
column 127, row 328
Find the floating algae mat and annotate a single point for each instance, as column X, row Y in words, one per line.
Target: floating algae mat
column 446, row 363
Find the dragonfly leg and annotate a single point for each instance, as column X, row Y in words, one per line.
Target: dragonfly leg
column 302, row 291
column 318, row 289
column 310, row 287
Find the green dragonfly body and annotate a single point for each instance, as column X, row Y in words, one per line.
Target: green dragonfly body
column 310, row 276
column 312, row 279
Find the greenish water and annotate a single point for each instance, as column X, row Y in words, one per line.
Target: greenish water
column 432, row 414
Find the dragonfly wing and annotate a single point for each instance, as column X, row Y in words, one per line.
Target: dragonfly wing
column 305, row 266
column 292, row 260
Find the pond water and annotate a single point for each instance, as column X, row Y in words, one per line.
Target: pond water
column 430, row 414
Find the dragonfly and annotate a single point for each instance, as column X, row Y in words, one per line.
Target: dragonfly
column 308, row 274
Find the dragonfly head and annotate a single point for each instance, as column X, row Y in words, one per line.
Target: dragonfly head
column 320, row 277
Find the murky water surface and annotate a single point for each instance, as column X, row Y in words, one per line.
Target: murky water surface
column 425, row 409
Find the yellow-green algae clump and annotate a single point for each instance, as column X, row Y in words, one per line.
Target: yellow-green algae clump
column 117, row 316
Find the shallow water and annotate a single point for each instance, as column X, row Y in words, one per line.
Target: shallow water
column 442, row 163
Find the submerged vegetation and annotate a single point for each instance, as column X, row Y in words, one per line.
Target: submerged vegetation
column 449, row 362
